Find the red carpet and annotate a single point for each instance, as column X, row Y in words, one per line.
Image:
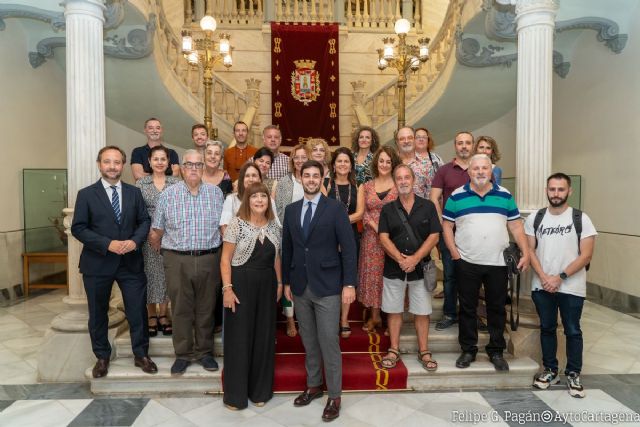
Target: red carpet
column 361, row 355
column 360, row 372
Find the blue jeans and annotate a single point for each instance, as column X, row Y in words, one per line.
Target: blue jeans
column 570, row 306
column 450, row 289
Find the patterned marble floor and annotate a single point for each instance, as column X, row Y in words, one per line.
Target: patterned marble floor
column 612, row 357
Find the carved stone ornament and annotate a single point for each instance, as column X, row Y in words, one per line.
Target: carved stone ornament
column 526, row 6
column 56, row 19
column 471, row 53
column 137, row 44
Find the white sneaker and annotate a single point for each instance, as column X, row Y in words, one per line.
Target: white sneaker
column 545, row 379
column 574, row 385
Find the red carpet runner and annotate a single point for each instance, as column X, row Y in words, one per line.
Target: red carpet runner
column 361, row 354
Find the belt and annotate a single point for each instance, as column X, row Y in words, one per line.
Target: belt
column 195, row 253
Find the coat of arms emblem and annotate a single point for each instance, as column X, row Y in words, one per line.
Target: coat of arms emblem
column 305, row 81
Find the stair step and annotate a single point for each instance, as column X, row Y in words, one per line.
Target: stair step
column 439, row 341
column 480, row 375
column 125, row 378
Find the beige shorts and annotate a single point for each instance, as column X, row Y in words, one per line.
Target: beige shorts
column 393, row 291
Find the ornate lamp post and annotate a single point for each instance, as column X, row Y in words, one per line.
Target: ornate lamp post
column 201, row 49
column 403, row 57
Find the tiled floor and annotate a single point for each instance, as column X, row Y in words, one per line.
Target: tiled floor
column 611, row 357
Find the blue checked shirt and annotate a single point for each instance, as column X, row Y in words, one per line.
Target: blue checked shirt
column 189, row 222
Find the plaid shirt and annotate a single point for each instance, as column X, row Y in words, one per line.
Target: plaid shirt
column 189, row 222
column 279, row 167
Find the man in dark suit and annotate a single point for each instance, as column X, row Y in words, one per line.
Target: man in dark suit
column 319, row 268
column 111, row 221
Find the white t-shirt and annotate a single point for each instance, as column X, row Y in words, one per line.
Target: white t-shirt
column 558, row 247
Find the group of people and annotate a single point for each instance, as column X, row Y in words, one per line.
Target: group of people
column 246, row 228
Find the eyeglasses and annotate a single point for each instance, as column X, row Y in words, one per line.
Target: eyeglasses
column 189, row 165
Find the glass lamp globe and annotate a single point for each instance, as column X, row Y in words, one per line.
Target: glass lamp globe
column 208, row 23
column 402, row 26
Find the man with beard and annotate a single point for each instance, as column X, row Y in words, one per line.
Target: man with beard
column 405, row 142
column 240, row 153
column 403, row 264
column 186, row 226
column 110, row 219
column 561, row 240
column 482, row 213
column 140, row 155
column 319, row 274
column 200, row 136
column 448, row 178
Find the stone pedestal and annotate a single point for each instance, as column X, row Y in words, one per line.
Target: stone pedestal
column 536, row 23
column 66, row 351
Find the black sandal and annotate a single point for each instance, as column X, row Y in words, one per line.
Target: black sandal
column 166, row 328
column 153, row 329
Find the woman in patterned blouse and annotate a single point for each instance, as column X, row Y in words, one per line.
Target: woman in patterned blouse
column 365, row 142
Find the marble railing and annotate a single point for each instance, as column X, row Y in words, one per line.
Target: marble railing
column 185, row 81
column 380, row 106
column 357, row 15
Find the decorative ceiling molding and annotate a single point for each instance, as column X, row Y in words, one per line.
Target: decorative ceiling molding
column 137, row 44
column 500, row 25
column 471, row 53
column 56, row 19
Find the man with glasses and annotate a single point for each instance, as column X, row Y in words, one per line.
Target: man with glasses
column 186, row 228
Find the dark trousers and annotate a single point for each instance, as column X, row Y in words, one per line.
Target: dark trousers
column 470, row 277
column 570, row 307
column 249, row 338
column 319, row 318
column 134, row 294
column 450, row 307
column 192, row 284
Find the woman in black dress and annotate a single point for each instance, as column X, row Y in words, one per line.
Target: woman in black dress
column 342, row 187
column 250, row 268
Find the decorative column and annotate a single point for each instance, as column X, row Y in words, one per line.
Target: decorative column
column 66, row 351
column 536, row 23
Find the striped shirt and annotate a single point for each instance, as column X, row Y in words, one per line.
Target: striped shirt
column 189, row 222
column 481, row 223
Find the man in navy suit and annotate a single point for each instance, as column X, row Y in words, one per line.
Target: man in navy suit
column 319, row 268
column 111, row 221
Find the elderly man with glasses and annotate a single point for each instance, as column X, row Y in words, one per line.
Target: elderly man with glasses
column 186, row 228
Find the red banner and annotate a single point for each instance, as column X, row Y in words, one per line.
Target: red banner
column 304, row 82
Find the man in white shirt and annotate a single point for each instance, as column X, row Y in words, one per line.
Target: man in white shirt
column 561, row 240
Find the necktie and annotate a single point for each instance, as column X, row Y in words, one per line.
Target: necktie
column 306, row 221
column 115, row 203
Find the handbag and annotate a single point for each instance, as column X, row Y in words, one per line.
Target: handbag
column 428, row 267
column 512, row 255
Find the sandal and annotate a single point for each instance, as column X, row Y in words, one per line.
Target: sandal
column 166, row 328
column 390, row 362
column 345, row 331
column 153, row 329
column 430, row 365
column 370, row 326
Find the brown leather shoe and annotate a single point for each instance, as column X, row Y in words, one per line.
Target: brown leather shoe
column 146, row 364
column 101, row 368
column 307, row 396
column 331, row 410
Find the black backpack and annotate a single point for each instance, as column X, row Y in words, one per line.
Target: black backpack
column 577, row 225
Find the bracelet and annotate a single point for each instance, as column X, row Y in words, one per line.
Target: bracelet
column 227, row 286
column 279, row 283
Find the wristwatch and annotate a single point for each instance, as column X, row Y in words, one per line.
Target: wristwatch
column 563, row 276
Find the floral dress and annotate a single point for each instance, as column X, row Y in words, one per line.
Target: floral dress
column 371, row 262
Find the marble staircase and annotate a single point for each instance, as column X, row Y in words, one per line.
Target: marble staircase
column 125, row 379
